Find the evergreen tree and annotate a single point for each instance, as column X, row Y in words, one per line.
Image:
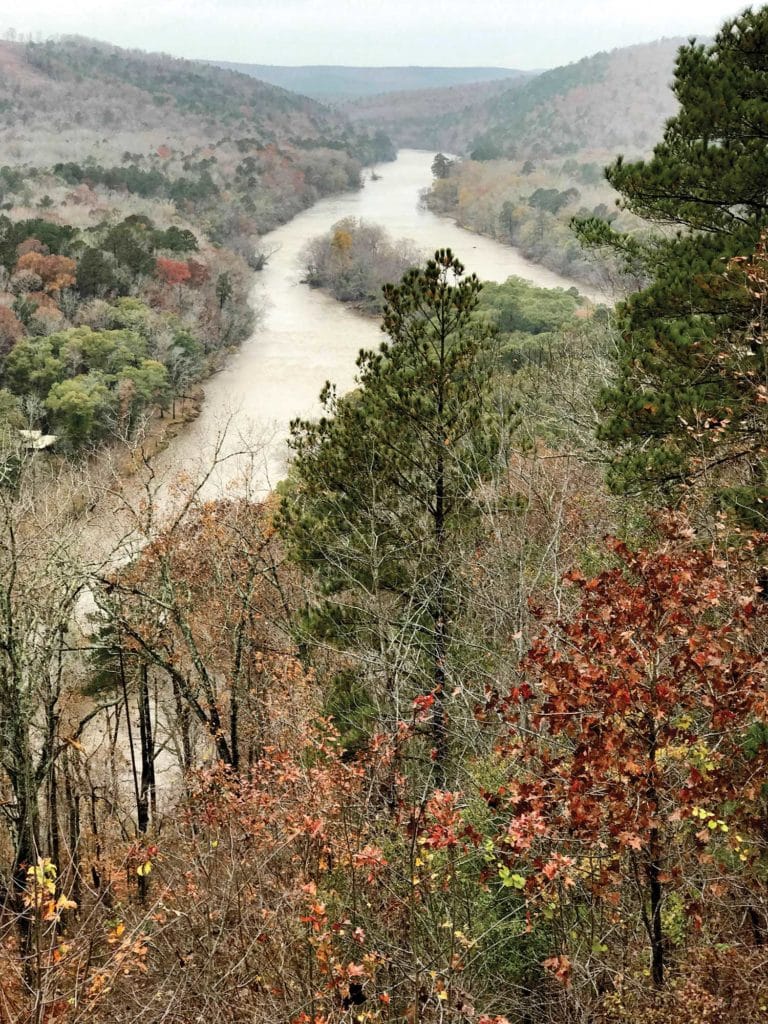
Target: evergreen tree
column 383, row 486
column 95, row 274
column 441, row 166
column 684, row 397
column 223, row 289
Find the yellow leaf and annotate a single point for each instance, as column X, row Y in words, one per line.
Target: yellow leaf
column 144, row 869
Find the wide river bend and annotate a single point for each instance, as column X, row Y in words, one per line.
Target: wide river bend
column 305, row 338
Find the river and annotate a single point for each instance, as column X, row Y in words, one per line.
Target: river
column 305, row 338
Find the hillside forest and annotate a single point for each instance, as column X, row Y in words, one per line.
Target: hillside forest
column 126, row 261
column 466, row 720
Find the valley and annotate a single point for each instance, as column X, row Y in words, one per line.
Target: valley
column 383, row 535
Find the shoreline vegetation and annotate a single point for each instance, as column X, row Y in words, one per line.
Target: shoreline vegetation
column 353, row 262
column 530, row 206
column 355, row 259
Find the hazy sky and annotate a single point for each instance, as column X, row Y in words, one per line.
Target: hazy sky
column 508, row 33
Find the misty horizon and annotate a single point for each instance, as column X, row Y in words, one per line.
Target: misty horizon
column 305, row 33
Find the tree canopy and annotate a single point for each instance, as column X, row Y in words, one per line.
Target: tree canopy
column 689, row 363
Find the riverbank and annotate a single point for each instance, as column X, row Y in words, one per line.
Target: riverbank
column 601, row 286
column 531, row 208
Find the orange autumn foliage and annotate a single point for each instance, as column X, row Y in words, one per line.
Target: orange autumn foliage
column 56, row 272
column 172, row 272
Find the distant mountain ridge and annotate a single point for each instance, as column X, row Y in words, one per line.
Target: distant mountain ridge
column 332, row 83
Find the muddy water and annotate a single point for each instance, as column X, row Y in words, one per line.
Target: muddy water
column 306, row 338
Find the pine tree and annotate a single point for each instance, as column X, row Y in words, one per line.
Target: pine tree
column 383, row 485
column 441, row 166
column 683, row 403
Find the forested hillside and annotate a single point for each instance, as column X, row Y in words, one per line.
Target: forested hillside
column 77, row 99
column 611, row 100
column 616, row 100
column 436, row 118
column 134, row 190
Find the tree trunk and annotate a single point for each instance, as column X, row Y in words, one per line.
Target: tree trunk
column 439, row 723
column 26, row 851
column 73, row 833
column 140, row 816
column 653, row 868
column 657, row 933
column 183, row 717
column 147, row 786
